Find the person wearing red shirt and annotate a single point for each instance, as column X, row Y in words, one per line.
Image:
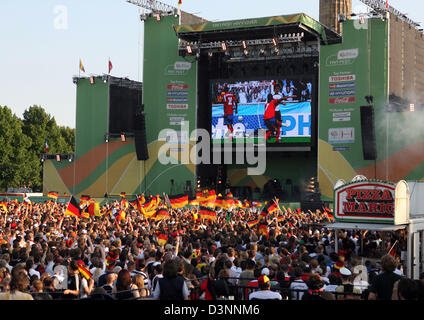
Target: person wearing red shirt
column 270, row 115
column 230, row 105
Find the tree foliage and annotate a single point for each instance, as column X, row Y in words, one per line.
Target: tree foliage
column 22, row 141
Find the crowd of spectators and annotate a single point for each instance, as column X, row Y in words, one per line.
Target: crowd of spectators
column 45, row 255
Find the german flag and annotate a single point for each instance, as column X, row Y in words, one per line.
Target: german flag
column 211, row 195
column 141, row 199
column 123, row 194
column 193, row 202
column 280, row 218
column 121, row 216
column 3, row 206
column 202, row 196
column 134, row 204
column 94, row 209
column 161, row 214
column 84, row 271
column 207, row 213
column 53, row 195
column 150, row 205
column 73, row 208
column 263, row 229
column 178, row 201
column 85, row 200
column 124, row 203
column 270, row 207
column 224, row 202
column 228, row 202
column 148, row 214
column 255, row 204
column 229, row 195
column 252, row 223
column 239, row 204
column 162, row 239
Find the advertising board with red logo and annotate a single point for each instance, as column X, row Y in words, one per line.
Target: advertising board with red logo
column 365, row 201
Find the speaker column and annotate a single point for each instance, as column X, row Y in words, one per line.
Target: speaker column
column 369, row 147
column 140, row 134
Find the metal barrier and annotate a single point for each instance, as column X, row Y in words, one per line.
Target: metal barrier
column 238, row 292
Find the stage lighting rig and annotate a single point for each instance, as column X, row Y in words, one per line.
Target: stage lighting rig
column 155, row 6
column 382, row 8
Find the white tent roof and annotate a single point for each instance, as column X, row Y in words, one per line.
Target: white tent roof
column 364, row 226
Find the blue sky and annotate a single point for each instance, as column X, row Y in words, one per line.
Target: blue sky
column 42, row 41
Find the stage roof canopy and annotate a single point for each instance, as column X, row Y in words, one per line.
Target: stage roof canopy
column 256, row 28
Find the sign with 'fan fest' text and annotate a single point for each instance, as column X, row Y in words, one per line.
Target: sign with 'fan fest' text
column 365, row 201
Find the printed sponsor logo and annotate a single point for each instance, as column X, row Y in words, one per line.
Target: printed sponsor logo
column 176, row 121
column 348, row 54
column 341, row 119
column 341, row 148
column 348, row 85
column 341, row 135
column 177, row 106
column 342, row 93
column 170, row 70
column 177, row 93
column 334, row 61
column 177, row 100
column 181, row 65
column 350, row 77
column 177, row 86
column 341, row 116
column 341, row 100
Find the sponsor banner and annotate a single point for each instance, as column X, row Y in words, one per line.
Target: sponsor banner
column 178, row 93
column 341, row 135
column 348, row 54
column 341, row 148
column 342, row 93
column 341, row 116
column 342, row 119
column 177, row 106
column 341, row 100
column 348, row 85
column 177, row 100
column 350, row 77
column 175, row 121
column 177, row 87
column 367, row 201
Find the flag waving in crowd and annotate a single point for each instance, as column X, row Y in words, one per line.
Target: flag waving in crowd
column 73, row 208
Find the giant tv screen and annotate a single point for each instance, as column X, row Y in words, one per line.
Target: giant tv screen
column 281, row 107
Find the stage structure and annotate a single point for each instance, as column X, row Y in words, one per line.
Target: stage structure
column 253, row 57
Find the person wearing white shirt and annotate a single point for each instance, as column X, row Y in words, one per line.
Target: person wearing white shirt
column 264, row 293
column 298, row 284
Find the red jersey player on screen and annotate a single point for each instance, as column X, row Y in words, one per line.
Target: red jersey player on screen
column 270, row 116
column 230, row 105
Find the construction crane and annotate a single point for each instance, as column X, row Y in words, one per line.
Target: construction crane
column 154, row 6
column 381, row 7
